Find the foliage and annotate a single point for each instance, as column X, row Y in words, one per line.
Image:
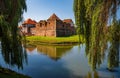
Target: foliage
column 10, row 14
column 113, row 56
column 91, row 17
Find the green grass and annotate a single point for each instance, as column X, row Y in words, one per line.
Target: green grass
column 54, row 40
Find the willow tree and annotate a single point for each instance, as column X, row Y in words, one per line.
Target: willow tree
column 91, row 16
column 113, row 55
column 10, row 14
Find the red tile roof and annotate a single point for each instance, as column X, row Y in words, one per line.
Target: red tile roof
column 67, row 20
column 29, row 21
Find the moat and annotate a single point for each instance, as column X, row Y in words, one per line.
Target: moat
column 63, row 62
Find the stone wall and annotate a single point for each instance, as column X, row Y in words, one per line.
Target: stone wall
column 44, row 28
column 63, row 29
column 52, row 27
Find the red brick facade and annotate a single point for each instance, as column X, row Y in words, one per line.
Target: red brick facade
column 53, row 27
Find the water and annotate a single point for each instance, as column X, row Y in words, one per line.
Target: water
column 63, row 62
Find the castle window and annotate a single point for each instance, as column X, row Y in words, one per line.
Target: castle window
column 40, row 24
column 45, row 23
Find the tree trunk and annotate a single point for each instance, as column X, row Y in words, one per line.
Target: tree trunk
column 0, row 32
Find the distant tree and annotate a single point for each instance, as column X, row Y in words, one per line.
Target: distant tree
column 10, row 14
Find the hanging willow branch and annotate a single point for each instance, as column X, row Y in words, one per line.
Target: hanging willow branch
column 10, row 14
column 91, row 17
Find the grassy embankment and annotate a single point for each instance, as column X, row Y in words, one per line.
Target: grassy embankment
column 54, row 40
column 7, row 73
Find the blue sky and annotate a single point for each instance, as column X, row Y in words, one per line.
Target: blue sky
column 118, row 13
column 43, row 9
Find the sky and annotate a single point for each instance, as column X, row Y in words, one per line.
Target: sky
column 43, row 9
column 118, row 13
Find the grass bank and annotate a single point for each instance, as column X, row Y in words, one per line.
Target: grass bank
column 54, row 40
column 7, row 73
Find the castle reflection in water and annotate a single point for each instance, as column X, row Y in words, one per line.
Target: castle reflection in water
column 54, row 52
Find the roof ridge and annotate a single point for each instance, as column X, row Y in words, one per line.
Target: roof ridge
column 54, row 17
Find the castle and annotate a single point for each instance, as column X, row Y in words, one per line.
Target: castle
column 52, row 27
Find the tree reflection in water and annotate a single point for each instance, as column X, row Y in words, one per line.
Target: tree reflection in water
column 92, row 75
